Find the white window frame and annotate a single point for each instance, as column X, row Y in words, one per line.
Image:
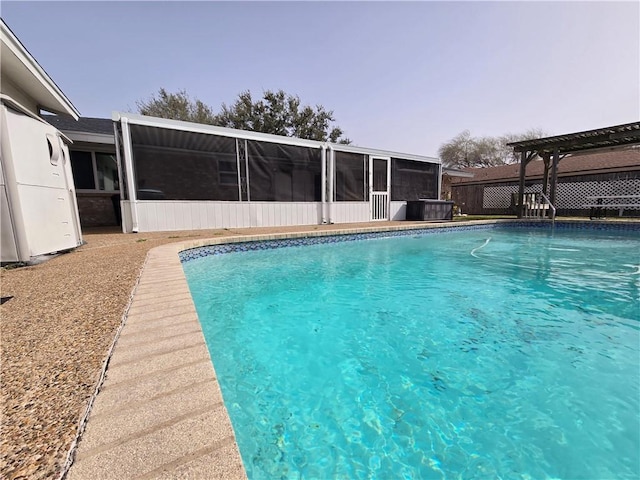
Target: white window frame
column 94, row 166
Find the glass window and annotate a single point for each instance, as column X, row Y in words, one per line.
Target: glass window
column 94, row 171
column 107, row 168
column 82, row 168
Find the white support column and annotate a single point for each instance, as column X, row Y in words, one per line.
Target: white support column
column 131, row 181
column 388, row 205
column 371, row 200
column 116, row 136
column 238, row 169
column 332, row 160
column 323, row 183
column 246, row 165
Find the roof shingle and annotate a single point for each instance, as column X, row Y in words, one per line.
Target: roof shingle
column 103, row 126
column 580, row 164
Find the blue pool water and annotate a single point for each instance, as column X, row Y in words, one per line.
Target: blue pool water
column 501, row 353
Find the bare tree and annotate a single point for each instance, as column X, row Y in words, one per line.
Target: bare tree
column 463, row 150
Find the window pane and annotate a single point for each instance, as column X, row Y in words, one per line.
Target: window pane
column 107, row 171
column 82, row 168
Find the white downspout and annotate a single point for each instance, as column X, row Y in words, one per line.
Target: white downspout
column 131, row 183
column 440, row 182
column 323, row 183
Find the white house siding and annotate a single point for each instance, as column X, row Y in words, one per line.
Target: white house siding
column 350, row 212
column 354, row 212
column 7, row 87
column 169, row 215
column 398, row 211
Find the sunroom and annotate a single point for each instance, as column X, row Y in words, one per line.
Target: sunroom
column 183, row 176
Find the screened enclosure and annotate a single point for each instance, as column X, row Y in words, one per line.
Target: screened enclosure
column 178, row 165
column 179, row 175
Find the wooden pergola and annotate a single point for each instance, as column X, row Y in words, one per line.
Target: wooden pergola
column 554, row 149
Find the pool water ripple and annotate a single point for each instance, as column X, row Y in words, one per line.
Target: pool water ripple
column 412, row 358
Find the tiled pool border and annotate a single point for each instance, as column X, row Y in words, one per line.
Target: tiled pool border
column 324, row 237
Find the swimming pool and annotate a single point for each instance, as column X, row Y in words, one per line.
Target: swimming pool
column 497, row 352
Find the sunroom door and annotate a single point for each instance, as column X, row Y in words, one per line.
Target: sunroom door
column 379, row 187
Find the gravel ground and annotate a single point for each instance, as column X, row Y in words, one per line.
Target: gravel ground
column 55, row 335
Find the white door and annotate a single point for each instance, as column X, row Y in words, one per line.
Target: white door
column 379, row 185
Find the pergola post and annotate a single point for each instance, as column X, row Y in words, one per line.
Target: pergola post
column 523, row 169
column 554, row 176
column 545, row 178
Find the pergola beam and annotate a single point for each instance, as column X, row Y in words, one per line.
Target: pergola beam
column 610, row 138
column 617, row 136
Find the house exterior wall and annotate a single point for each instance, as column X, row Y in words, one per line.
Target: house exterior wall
column 97, row 209
column 7, row 87
column 495, row 198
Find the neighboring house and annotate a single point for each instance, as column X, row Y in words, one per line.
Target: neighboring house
column 39, row 214
column 491, row 191
column 448, row 176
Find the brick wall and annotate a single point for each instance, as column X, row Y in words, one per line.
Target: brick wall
column 96, row 210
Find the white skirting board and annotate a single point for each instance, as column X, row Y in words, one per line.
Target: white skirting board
column 167, row 215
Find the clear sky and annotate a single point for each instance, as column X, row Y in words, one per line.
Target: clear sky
column 398, row 76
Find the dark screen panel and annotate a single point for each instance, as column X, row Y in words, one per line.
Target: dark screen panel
column 351, row 177
column 184, row 165
column 284, row 173
column 412, row 180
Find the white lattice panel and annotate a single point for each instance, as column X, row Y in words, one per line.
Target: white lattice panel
column 571, row 195
column 500, row 197
column 574, row 195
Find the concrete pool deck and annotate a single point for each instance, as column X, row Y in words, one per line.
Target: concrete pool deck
column 159, row 413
